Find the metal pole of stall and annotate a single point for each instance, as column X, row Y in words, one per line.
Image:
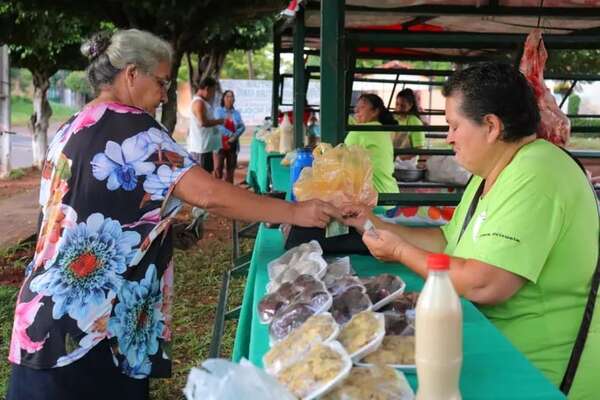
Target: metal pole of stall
column 332, row 71
column 299, row 79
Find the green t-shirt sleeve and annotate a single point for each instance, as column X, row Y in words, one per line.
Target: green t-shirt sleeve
column 518, row 230
column 353, row 138
column 451, row 230
column 417, row 138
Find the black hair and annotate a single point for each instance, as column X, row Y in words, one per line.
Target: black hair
column 409, row 95
column 207, row 82
column 385, row 117
column 223, row 96
column 500, row 89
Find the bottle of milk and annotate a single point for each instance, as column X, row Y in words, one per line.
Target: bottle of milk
column 438, row 335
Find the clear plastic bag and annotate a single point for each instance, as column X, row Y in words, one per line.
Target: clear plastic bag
column 292, row 256
column 289, row 158
column 321, row 369
column 339, row 175
column 398, row 347
column 317, row 329
column 377, row 382
column 349, row 303
column 312, row 299
column 224, row 380
column 383, row 289
column 271, row 140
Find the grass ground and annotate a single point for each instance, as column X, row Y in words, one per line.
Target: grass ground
column 197, row 283
column 22, row 107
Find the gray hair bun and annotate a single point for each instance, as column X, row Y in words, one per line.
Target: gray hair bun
column 96, row 45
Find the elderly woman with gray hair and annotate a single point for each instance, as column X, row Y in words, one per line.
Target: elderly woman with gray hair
column 93, row 317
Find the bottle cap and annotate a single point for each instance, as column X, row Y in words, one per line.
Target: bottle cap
column 438, row 262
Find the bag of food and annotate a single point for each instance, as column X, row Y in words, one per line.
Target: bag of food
column 339, row 175
column 272, row 141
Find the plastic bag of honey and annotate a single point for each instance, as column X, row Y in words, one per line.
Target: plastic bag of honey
column 272, row 141
column 339, row 175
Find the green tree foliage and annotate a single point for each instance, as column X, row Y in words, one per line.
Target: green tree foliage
column 22, row 76
column 236, row 64
column 43, row 41
column 77, row 82
column 573, row 61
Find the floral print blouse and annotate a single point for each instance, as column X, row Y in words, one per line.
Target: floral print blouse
column 102, row 267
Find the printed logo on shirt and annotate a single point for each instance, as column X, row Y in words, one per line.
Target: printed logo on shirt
column 502, row 236
column 478, row 224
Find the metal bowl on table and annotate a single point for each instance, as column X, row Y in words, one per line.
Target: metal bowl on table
column 409, row 175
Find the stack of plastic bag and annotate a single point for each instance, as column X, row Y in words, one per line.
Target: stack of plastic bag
column 224, row 380
column 339, row 175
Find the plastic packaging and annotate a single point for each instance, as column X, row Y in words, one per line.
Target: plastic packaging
column 289, row 158
column 339, row 175
column 224, row 380
column 286, row 132
column 269, row 305
column 317, row 329
column 376, row 382
column 303, row 160
column 383, row 289
column 338, row 286
column 406, row 301
column 271, row 140
column 351, row 302
column 312, row 298
column 313, row 265
column 438, row 349
column 292, row 256
column 363, row 334
column 319, row 371
column 339, row 267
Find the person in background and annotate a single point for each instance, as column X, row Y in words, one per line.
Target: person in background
column 94, row 313
column 524, row 239
column 370, row 110
column 204, row 139
column 233, row 127
column 407, row 113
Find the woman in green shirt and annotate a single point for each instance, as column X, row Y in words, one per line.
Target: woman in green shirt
column 370, row 110
column 528, row 254
column 407, row 114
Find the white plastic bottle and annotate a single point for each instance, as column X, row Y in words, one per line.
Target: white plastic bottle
column 438, row 334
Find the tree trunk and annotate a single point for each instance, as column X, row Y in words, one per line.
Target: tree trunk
column 169, row 110
column 191, row 81
column 40, row 118
column 211, row 63
column 250, row 66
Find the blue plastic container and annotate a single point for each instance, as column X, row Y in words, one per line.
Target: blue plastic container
column 304, row 158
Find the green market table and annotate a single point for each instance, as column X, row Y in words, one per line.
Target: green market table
column 258, row 174
column 492, row 367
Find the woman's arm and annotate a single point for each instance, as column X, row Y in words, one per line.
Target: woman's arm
column 240, row 127
column 199, row 188
column 477, row 281
column 220, row 114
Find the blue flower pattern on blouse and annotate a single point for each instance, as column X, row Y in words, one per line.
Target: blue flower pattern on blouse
column 91, row 261
column 138, row 321
column 101, row 254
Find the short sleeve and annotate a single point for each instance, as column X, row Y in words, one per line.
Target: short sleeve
column 515, row 230
column 451, row 230
column 174, row 162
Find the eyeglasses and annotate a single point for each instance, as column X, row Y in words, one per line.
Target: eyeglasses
column 163, row 83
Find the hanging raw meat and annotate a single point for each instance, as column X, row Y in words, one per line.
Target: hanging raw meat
column 554, row 124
